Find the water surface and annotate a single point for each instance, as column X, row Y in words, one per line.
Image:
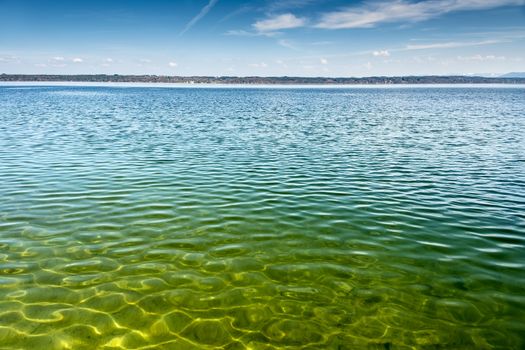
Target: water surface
column 152, row 218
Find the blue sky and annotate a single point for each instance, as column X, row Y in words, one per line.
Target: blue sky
column 263, row 37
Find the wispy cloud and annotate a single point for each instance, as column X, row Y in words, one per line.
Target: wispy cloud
column 369, row 14
column 203, row 12
column 450, row 45
column 77, row 60
column 270, row 27
column 237, row 12
column 287, row 43
column 172, row 64
column 9, row 59
column 283, row 21
column 373, row 13
column 321, row 43
column 280, row 5
column 381, row 53
column 406, row 48
column 480, row 58
column 259, row 65
column 250, row 33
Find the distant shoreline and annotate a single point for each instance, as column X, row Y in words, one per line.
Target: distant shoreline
column 80, row 84
column 254, row 80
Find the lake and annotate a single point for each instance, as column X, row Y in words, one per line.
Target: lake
column 262, row 218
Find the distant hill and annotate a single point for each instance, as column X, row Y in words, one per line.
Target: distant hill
column 513, row 75
column 116, row 78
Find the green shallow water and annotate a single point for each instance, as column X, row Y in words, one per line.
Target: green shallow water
column 147, row 218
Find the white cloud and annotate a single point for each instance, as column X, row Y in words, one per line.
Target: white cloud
column 109, row 60
column 287, row 43
column 9, row 59
column 482, row 58
column 318, row 43
column 374, row 12
column 235, row 32
column 77, row 60
column 259, row 65
column 247, row 33
column 284, row 21
column 144, row 60
column 423, row 59
column 203, row 12
column 451, row 44
column 323, row 61
column 251, row 33
column 280, row 5
column 381, row 53
column 58, row 58
column 281, row 63
column 173, row 64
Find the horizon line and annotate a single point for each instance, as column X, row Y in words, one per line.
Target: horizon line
column 269, row 76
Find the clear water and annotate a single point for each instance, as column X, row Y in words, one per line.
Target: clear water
column 351, row 218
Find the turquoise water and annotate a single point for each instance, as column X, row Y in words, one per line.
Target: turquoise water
column 173, row 218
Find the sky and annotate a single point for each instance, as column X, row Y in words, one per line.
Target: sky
column 263, row 37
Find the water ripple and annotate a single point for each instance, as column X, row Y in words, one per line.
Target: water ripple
column 262, row 218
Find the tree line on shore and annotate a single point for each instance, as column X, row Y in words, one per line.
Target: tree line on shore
column 376, row 80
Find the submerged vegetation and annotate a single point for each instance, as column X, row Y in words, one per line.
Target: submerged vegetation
column 380, row 218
